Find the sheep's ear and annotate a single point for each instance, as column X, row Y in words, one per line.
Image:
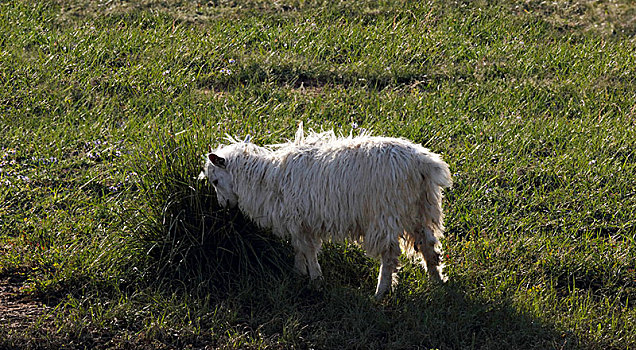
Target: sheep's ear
column 299, row 138
column 216, row 160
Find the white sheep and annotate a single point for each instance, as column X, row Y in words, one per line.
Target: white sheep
column 385, row 193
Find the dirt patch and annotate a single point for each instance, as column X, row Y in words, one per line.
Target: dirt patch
column 18, row 310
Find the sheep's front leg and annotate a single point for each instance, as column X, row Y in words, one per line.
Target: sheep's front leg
column 311, row 254
column 300, row 263
column 386, row 277
column 306, row 259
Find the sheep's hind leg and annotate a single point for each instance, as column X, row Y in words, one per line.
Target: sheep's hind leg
column 432, row 252
column 386, row 277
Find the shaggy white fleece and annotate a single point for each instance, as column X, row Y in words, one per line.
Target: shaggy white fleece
column 385, row 193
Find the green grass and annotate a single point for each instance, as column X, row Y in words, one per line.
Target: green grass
column 106, row 108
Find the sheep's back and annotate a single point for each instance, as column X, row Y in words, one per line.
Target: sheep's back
column 341, row 187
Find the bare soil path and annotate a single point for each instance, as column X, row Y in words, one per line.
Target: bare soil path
column 18, row 310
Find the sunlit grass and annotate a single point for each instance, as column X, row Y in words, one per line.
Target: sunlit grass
column 107, row 107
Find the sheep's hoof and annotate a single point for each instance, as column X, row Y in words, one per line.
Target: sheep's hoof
column 317, row 284
column 437, row 277
column 380, row 294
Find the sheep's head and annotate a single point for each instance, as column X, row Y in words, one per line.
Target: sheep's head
column 215, row 170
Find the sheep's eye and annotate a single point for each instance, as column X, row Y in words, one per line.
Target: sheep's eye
column 215, row 182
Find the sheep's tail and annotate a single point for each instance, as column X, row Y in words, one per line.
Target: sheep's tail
column 436, row 176
column 423, row 243
column 440, row 173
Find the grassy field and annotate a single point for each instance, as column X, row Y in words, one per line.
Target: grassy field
column 108, row 241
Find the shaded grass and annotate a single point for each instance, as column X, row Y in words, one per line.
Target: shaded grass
column 106, row 108
column 185, row 233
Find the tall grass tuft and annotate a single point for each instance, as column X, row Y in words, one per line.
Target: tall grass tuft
column 182, row 231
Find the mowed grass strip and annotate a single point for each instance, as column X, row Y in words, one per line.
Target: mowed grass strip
column 107, row 107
